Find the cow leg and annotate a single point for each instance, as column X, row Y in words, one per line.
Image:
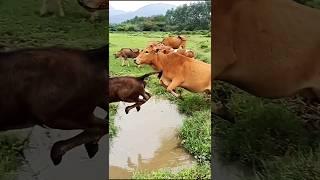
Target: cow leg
column 174, row 83
column 89, row 137
column 138, row 103
column 60, row 6
column 122, row 62
column 44, row 8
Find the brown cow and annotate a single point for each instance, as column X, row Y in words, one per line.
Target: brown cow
column 126, row 53
column 269, row 48
column 177, row 70
column 129, row 89
column 48, row 5
column 58, row 88
column 175, row 42
column 168, row 49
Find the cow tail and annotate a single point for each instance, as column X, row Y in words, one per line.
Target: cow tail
column 149, row 74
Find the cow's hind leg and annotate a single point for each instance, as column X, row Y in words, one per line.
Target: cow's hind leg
column 174, row 83
column 146, row 96
column 90, row 136
column 138, row 103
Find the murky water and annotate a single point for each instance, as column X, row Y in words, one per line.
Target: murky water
column 147, row 140
column 75, row 164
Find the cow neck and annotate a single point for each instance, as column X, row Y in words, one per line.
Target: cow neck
column 158, row 61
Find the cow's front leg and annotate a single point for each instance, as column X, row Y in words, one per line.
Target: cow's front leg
column 137, row 104
column 61, row 11
column 122, row 62
column 44, row 8
column 172, row 86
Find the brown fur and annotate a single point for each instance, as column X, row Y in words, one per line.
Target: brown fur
column 126, row 53
column 175, row 42
column 55, row 87
column 178, row 70
column 269, row 48
column 128, row 89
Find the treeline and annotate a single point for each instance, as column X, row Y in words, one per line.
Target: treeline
column 196, row 16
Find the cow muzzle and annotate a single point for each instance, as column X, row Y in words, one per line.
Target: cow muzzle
column 136, row 61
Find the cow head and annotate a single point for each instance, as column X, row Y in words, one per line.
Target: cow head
column 117, row 54
column 146, row 56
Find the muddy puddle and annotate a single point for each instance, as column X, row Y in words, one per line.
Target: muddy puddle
column 75, row 164
column 147, row 140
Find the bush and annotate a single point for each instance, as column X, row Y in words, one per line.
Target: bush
column 299, row 166
column 262, row 130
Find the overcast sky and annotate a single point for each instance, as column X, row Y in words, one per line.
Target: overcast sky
column 134, row 5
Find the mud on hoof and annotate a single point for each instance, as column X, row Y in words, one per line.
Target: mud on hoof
column 92, row 149
column 56, row 153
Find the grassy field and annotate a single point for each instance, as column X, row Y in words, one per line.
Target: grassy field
column 21, row 26
column 269, row 136
column 195, row 132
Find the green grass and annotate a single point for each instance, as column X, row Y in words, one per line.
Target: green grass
column 196, row 129
column 10, row 149
column 112, row 113
column 269, row 137
column 21, row 26
column 195, row 172
column 298, row 166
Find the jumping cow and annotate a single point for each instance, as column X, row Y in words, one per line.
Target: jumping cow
column 58, row 88
column 177, row 70
column 129, row 89
column 126, row 53
column 175, row 42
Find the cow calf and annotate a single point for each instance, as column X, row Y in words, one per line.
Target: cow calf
column 129, row 89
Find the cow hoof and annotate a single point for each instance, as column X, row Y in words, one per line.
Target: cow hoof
column 56, row 154
column 127, row 110
column 92, row 149
column 138, row 108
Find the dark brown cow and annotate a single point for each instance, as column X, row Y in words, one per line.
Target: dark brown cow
column 58, row 88
column 126, row 53
column 129, row 89
column 269, row 48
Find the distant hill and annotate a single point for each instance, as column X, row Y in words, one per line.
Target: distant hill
column 115, row 12
column 117, row 16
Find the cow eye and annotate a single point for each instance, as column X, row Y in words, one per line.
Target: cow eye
column 147, row 52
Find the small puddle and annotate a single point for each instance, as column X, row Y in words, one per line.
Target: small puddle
column 147, row 140
column 75, row 164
